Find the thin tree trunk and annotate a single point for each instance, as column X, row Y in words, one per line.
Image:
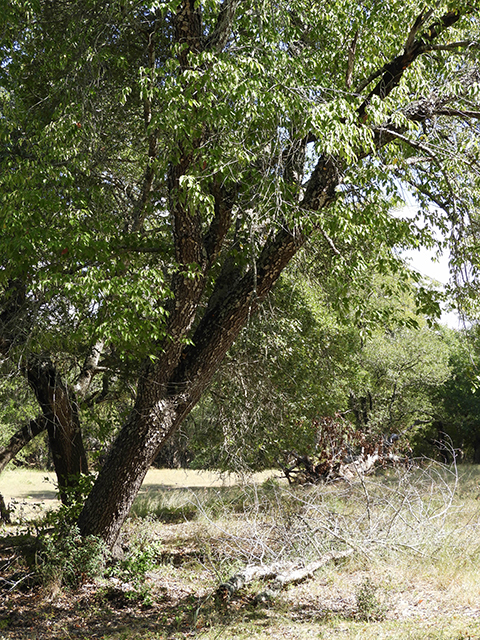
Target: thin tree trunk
column 63, row 425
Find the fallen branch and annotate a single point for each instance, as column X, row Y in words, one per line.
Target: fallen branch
column 283, row 573
column 299, row 575
column 227, row 589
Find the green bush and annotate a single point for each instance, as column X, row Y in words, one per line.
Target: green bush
column 69, row 559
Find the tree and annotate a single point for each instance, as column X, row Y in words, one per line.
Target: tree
column 457, row 402
column 399, row 372
column 302, row 358
column 163, row 163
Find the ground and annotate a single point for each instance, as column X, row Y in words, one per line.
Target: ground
column 426, row 585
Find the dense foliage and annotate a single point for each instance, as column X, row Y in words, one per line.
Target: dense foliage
column 163, row 162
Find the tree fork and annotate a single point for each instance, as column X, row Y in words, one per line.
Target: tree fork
column 163, row 401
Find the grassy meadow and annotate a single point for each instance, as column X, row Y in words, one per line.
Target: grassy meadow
column 413, row 569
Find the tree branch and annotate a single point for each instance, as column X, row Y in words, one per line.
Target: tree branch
column 415, row 46
column 429, row 152
column 21, row 438
column 222, row 220
column 187, row 25
column 451, row 46
column 419, row 22
column 218, row 39
column 89, row 369
column 462, row 113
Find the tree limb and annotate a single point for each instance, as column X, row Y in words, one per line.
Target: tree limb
column 89, row 369
column 187, row 25
column 21, row 438
column 222, row 220
column 419, row 22
column 283, row 573
column 220, row 34
column 415, row 45
column 462, row 113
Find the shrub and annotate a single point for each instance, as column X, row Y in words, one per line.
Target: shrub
column 66, row 558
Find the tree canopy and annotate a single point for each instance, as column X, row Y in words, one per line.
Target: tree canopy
column 163, row 162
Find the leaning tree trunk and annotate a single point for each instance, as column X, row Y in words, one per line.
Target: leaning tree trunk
column 60, row 412
column 167, row 394
column 170, row 387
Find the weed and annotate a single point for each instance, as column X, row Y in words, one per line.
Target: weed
column 369, row 606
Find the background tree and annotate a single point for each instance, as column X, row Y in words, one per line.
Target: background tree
column 303, row 359
column 163, row 163
column 457, row 403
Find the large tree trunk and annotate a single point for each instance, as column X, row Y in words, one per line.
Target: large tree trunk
column 163, row 402
column 63, row 425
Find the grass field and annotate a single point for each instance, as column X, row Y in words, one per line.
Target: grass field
column 413, row 571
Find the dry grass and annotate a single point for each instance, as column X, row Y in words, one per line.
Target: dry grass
column 416, row 555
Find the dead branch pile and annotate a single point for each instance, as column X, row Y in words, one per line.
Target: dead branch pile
column 341, row 452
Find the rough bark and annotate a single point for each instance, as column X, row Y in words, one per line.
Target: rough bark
column 169, row 389
column 60, row 412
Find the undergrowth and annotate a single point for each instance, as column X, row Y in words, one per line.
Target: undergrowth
column 409, row 525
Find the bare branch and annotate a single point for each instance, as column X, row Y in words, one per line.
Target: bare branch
column 89, row 369
column 330, row 242
column 416, row 45
column 464, row 44
column 462, row 113
column 20, row 439
column 419, row 22
column 222, row 220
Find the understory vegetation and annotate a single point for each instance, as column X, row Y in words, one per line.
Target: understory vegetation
column 300, row 380
column 408, row 540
